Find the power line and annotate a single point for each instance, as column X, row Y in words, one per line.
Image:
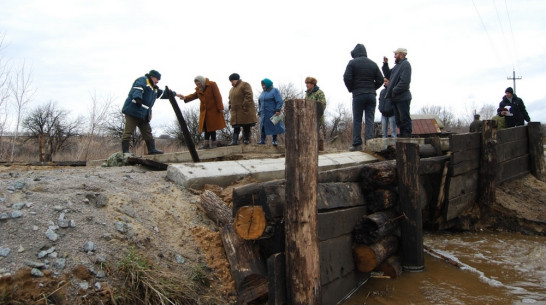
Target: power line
column 516, row 59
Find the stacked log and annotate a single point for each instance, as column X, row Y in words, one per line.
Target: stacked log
column 247, row 268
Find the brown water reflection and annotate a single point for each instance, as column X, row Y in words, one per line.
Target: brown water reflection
column 499, row 268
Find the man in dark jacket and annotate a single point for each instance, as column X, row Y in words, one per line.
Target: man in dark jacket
column 138, row 110
column 362, row 78
column 515, row 112
column 398, row 90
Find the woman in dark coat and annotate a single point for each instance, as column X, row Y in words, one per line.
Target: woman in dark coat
column 242, row 110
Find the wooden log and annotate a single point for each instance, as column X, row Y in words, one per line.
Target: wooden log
column 411, row 226
column 433, row 165
column 381, row 199
column 347, row 174
column 427, row 151
column 536, row 150
column 250, row 222
column 367, row 258
column 374, row 227
column 147, row 162
column 487, row 180
column 378, row 175
column 391, row 267
column 302, row 250
column 247, row 268
column 436, row 143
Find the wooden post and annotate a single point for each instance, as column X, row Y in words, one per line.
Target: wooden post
column 487, row 179
column 407, row 163
column 183, row 125
column 301, row 243
column 536, row 150
column 41, row 146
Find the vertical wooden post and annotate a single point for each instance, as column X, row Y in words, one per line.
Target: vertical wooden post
column 41, row 146
column 487, row 179
column 300, row 211
column 407, row 164
column 536, row 150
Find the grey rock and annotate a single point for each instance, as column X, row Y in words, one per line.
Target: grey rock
column 101, row 258
column 36, row 272
column 42, row 254
column 89, row 247
column 60, row 263
column 120, row 226
column 18, row 205
column 33, row 264
column 101, row 274
column 84, row 285
column 98, row 199
column 98, row 286
column 58, row 208
column 19, row 185
column 16, row 214
column 51, row 235
column 179, row 259
column 4, row 215
column 4, row 251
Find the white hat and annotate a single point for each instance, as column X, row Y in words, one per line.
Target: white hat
column 401, row 50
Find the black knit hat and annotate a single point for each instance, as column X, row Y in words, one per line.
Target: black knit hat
column 155, row 74
column 234, row 76
column 509, row 90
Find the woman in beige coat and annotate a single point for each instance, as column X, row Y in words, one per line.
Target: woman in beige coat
column 211, row 110
column 241, row 109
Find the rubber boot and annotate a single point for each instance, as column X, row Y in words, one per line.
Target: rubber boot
column 212, row 144
column 205, row 145
column 235, row 138
column 246, row 136
column 125, row 147
column 150, row 144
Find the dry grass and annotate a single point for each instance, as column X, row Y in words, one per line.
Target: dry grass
column 144, row 284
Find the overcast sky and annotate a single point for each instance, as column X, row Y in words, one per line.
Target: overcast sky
column 461, row 52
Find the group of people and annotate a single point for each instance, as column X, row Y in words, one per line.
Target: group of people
column 511, row 113
column 144, row 92
column 362, row 78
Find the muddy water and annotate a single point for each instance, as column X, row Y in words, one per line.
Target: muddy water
column 495, row 268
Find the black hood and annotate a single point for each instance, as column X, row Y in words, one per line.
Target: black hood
column 359, row 51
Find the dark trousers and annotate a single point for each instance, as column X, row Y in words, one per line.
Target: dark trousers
column 363, row 104
column 403, row 118
column 131, row 123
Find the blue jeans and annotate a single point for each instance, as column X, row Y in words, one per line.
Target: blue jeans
column 403, row 118
column 385, row 122
column 363, row 104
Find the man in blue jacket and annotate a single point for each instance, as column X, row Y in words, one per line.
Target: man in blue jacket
column 513, row 109
column 362, row 78
column 138, row 110
column 398, row 90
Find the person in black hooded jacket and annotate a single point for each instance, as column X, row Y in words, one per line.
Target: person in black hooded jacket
column 512, row 109
column 362, row 78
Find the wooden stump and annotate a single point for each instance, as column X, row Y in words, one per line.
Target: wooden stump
column 250, row 222
column 367, row 258
column 378, row 175
column 390, row 267
column 375, row 226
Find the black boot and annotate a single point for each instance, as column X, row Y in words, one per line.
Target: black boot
column 235, row 137
column 246, row 136
column 125, row 147
column 150, row 144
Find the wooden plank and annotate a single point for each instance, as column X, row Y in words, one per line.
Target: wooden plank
column 336, row 258
column 464, row 141
column 347, row 174
column 185, row 131
column 458, row 204
column 463, row 167
column 433, row 165
column 466, row 155
column 462, row 184
column 536, row 150
column 339, row 195
column 512, row 134
column 511, row 150
column 336, row 291
column 276, row 278
column 513, row 168
column 335, row 223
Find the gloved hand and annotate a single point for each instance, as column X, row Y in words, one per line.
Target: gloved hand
column 166, row 90
column 138, row 101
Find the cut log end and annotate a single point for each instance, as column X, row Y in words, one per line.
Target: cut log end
column 250, row 222
column 365, row 258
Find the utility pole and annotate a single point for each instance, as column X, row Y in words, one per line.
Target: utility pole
column 514, row 78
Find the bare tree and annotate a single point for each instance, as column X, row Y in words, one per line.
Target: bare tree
column 115, row 125
column 192, row 121
column 22, row 92
column 98, row 114
column 487, row 112
column 4, row 92
column 50, row 127
column 446, row 116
